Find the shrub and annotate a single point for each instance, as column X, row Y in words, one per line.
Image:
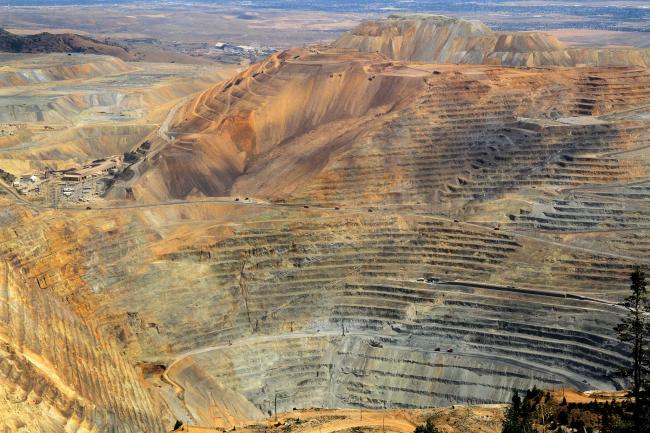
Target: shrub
column 427, row 427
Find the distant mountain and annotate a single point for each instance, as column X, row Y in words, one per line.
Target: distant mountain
column 438, row 39
column 59, row 43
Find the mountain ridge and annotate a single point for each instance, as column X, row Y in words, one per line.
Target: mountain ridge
column 59, row 43
column 440, row 39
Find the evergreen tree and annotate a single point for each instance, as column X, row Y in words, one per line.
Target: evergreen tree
column 517, row 417
column 633, row 330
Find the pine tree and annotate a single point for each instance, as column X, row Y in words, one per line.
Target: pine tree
column 517, row 418
column 634, row 330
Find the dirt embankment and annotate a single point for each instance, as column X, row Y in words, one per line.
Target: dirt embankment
column 455, row 419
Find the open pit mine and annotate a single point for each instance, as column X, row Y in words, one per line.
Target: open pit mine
column 424, row 213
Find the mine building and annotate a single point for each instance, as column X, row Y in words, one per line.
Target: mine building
column 28, row 178
column 97, row 168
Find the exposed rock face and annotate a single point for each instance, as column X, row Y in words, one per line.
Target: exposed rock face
column 57, row 374
column 84, row 107
column 322, row 308
column 346, row 130
column 277, row 103
column 414, row 235
column 439, row 39
column 82, row 68
column 329, row 310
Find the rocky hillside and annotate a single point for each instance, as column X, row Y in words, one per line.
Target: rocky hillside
column 289, row 112
column 334, row 228
column 355, row 129
column 56, row 373
column 405, row 233
column 59, row 43
column 439, row 39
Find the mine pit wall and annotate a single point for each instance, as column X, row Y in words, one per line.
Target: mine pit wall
column 63, row 108
column 263, row 308
column 57, row 109
column 56, row 374
column 276, row 324
column 89, row 142
column 250, row 294
column 93, row 66
column 464, row 141
column 362, row 369
column 447, row 137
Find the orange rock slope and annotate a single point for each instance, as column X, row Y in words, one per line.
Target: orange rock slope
column 408, row 235
column 294, row 110
column 338, row 127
